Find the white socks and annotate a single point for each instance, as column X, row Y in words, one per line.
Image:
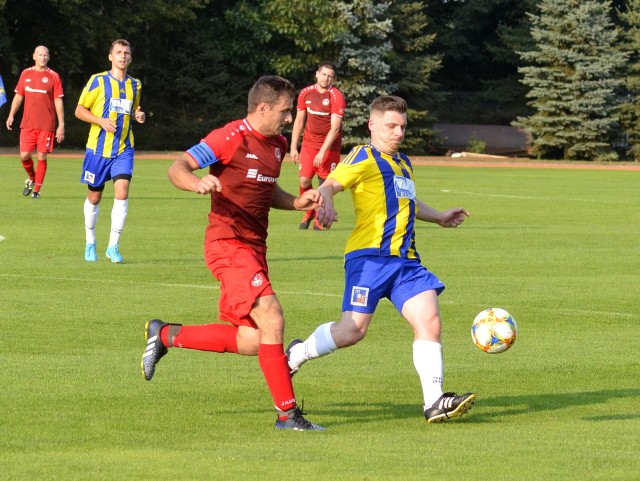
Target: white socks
column 319, row 344
column 90, row 220
column 118, row 216
column 427, row 359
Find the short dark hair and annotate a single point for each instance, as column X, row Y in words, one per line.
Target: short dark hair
column 386, row 103
column 120, row 41
column 327, row 64
column 269, row 89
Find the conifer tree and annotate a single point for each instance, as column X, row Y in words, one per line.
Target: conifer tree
column 355, row 35
column 412, row 67
column 630, row 108
column 365, row 47
column 573, row 75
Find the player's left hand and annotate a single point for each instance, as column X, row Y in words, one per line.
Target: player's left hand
column 326, row 215
column 452, row 217
column 60, row 134
column 139, row 116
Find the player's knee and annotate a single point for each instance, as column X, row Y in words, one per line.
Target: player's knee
column 347, row 341
column 268, row 316
column 428, row 328
column 305, row 182
column 347, row 334
column 94, row 196
column 248, row 341
column 358, row 334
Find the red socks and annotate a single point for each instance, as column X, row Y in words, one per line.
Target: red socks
column 28, row 166
column 275, row 368
column 206, row 337
column 41, row 170
column 304, row 189
column 35, row 175
column 222, row 338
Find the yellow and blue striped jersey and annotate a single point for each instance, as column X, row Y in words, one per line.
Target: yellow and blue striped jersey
column 105, row 96
column 385, row 202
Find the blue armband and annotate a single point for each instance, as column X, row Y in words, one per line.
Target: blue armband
column 203, row 155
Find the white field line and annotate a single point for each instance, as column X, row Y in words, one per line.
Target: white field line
column 155, row 284
column 507, row 196
column 306, row 293
column 559, row 310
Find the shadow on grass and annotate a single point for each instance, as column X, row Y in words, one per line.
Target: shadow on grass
column 513, row 405
column 500, row 407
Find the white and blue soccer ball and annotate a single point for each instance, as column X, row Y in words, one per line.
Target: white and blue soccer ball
column 494, row 330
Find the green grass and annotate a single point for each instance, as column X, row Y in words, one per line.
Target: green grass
column 558, row 248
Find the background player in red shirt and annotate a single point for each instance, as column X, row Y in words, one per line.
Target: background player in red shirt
column 244, row 159
column 322, row 106
column 41, row 89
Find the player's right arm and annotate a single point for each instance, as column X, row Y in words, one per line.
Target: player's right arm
column 15, row 105
column 181, row 175
column 88, row 101
column 84, row 114
column 326, row 213
column 298, row 125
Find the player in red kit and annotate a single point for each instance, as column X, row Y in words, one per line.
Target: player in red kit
column 244, row 159
column 41, row 89
column 320, row 110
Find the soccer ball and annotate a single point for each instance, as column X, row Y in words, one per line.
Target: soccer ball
column 494, row 330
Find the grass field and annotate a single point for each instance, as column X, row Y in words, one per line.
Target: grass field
column 560, row 249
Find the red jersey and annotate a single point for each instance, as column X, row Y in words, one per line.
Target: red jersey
column 248, row 165
column 39, row 89
column 320, row 106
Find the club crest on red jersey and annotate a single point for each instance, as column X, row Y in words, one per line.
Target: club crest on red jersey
column 257, row 280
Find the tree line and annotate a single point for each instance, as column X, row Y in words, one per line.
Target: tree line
column 565, row 70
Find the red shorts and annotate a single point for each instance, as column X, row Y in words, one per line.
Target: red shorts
column 307, row 169
column 243, row 276
column 36, row 140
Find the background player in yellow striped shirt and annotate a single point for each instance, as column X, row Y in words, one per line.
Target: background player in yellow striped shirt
column 381, row 259
column 109, row 102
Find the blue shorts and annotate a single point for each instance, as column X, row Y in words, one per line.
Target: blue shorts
column 370, row 278
column 97, row 170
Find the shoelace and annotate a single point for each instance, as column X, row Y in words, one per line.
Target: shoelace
column 300, row 419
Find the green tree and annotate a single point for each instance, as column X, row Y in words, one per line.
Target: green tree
column 190, row 83
column 478, row 78
column 412, row 66
column 503, row 97
column 197, row 58
column 573, row 80
column 290, row 38
column 378, row 48
column 283, row 37
column 630, row 108
column 365, row 47
column 78, row 34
